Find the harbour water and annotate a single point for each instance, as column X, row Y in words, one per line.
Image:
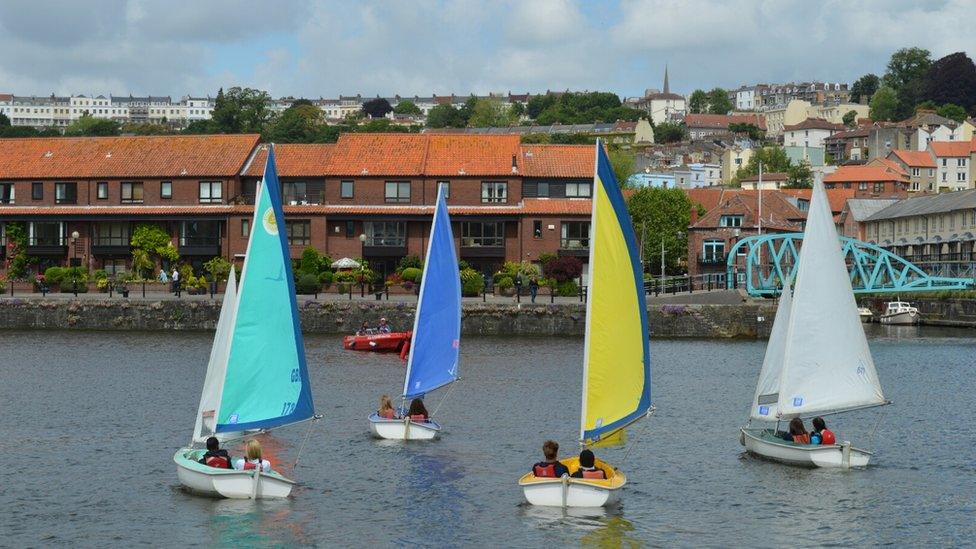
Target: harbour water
column 90, row 422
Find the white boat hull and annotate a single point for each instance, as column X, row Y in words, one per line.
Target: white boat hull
column 573, row 492
column 904, row 318
column 402, row 429
column 762, row 443
column 228, row 483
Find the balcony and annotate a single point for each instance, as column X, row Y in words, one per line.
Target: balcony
column 482, row 246
column 47, row 245
column 110, row 245
column 712, row 259
column 200, row 245
column 575, row 247
column 385, row 246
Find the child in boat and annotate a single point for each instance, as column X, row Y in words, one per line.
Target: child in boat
column 386, row 408
column 587, row 468
column 364, row 329
column 418, row 412
column 253, row 459
column 825, row 434
column 798, row 432
column 215, row 457
column 383, row 327
column 551, row 467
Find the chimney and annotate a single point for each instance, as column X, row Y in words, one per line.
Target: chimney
column 514, row 164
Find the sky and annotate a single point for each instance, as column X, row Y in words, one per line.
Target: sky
column 306, row 48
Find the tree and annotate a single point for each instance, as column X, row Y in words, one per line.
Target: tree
column 377, row 108
column 517, row 109
column 850, row 119
column 670, row 132
column 906, row 74
column 539, row 103
column 799, row 176
column 774, row 159
column 408, row 108
column 299, row 123
column 884, row 104
column 198, row 127
column 955, row 112
column 4, row 121
column 751, row 130
column 240, row 110
column 719, row 102
column 661, row 215
column 489, row 113
column 444, row 116
column 153, row 240
column 623, row 163
column 952, row 79
column 584, row 108
column 698, row 102
column 87, row 125
column 146, row 128
column 865, row 87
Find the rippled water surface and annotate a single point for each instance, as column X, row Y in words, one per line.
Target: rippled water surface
column 90, row 422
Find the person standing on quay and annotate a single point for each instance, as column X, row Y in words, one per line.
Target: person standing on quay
column 176, row 281
column 533, row 288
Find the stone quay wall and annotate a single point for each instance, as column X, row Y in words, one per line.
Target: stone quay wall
column 565, row 320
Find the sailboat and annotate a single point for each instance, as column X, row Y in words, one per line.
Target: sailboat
column 616, row 356
column 817, row 360
column 435, row 351
column 256, row 378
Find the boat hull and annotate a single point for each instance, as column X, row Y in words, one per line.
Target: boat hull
column 383, row 343
column 227, row 483
column 401, row 429
column 764, row 444
column 573, row 492
column 902, row 318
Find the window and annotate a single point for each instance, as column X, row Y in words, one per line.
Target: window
column 961, row 163
column 494, row 191
column 916, row 172
column 299, row 232
column 390, row 234
column 132, row 192
column 537, row 228
column 961, row 176
column 200, row 233
column 475, row 234
column 294, row 192
column 397, row 191
column 577, row 190
column 931, row 172
column 847, row 185
column 6, row 193
column 730, row 221
column 945, row 162
column 575, row 235
column 713, row 251
column 862, row 186
column 245, row 228
column 37, row 190
column 350, row 229
column 879, row 187
column 447, row 188
column 101, row 190
column 542, row 189
column 111, row 234
column 66, row 193
column 211, row 192
column 45, row 233
column 165, row 189
column 945, row 176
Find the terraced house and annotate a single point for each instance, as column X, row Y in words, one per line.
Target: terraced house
column 369, row 195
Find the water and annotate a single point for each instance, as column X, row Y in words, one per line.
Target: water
column 91, row 421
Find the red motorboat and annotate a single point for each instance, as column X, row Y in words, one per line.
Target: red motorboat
column 392, row 342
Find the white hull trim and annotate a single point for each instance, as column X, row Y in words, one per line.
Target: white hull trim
column 762, row 443
column 403, row 429
column 569, row 492
column 227, row 483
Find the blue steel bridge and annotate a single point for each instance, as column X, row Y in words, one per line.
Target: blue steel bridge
column 772, row 258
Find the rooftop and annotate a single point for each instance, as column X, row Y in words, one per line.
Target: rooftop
column 815, row 124
column 928, row 204
column 951, row 148
column 866, row 173
column 914, row 159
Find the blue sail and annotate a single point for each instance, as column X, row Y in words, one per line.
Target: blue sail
column 435, row 347
column 266, row 383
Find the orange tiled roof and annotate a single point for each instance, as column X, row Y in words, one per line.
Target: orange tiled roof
column 777, row 212
column 815, row 124
column 472, row 155
column 889, row 164
column 852, row 174
column 557, row 161
column 293, row 160
column 836, row 197
column 915, row 159
column 722, row 121
column 379, row 154
column 951, row 148
column 121, row 157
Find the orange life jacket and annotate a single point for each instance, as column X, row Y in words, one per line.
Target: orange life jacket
column 544, row 470
column 418, row 417
column 595, row 473
column 802, row 439
column 217, row 461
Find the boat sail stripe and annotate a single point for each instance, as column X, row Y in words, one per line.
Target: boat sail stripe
column 435, row 348
column 267, row 383
column 213, row 384
column 616, row 384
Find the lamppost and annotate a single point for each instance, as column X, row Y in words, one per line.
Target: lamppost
column 362, row 267
column 74, row 247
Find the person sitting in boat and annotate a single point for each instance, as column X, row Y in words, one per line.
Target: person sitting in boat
column 798, row 432
column 253, row 459
column 215, row 456
column 820, row 429
column 587, row 469
column 383, row 327
column 418, row 412
column 551, row 467
column 386, row 408
column 364, row 329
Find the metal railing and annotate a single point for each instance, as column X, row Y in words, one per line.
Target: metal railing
column 199, row 241
column 386, row 241
column 47, row 241
column 574, row 243
column 482, row 241
column 712, row 259
column 110, row 241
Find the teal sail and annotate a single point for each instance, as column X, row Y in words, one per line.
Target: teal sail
column 266, row 383
column 435, row 348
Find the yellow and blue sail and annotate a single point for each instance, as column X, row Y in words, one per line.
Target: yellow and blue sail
column 266, row 383
column 616, row 362
column 435, row 349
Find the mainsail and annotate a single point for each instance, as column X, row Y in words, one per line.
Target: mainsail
column 616, row 355
column 213, row 384
column 435, row 348
column 826, row 366
column 767, row 390
column 266, row 383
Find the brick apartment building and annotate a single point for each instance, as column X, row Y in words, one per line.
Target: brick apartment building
column 369, row 195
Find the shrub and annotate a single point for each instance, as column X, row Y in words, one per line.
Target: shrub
column 564, row 268
column 53, row 275
column 326, row 278
column 409, row 262
column 3, row 284
column 218, row 268
column 546, row 258
column 307, row 284
column 505, row 283
column 412, row 274
column 311, row 262
column 345, row 277
column 472, row 283
column 67, row 286
column 101, row 283
column 567, row 288
column 99, row 274
column 342, row 287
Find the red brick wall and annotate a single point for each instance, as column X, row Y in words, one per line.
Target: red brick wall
column 372, row 190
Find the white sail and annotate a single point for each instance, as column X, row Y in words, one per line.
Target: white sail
column 213, row 384
column 764, row 404
column 827, row 366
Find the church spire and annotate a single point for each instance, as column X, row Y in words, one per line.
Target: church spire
column 667, row 89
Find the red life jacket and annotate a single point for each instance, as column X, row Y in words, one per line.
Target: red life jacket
column 802, row 439
column 827, row 437
column 595, row 473
column 548, row 470
column 248, row 466
column 388, row 414
column 217, row 461
column 418, row 417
